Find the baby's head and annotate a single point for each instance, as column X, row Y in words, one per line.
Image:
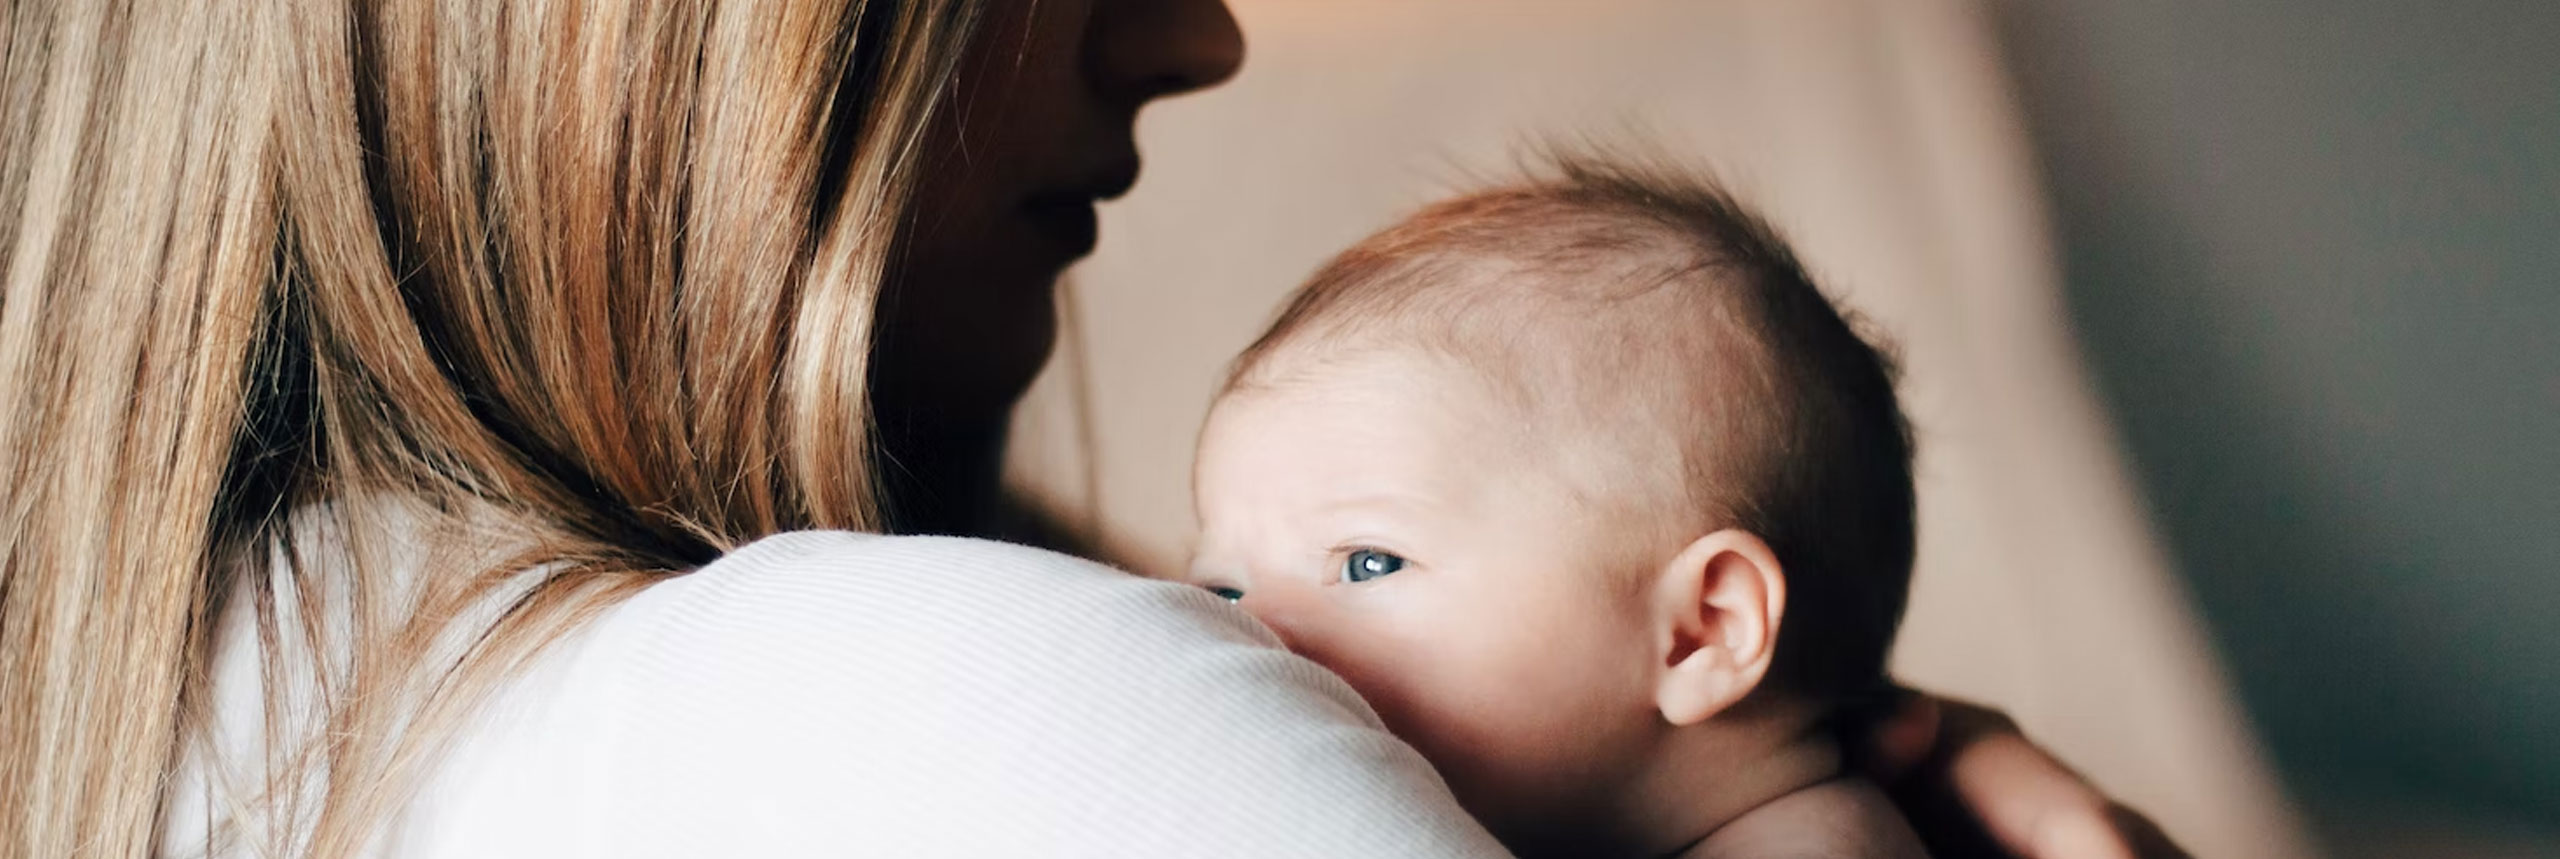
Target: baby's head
column 1574, row 480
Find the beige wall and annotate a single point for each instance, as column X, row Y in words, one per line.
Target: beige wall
column 1878, row 133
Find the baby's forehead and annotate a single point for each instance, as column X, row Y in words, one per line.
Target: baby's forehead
column 1324, row 427
column 1615, row 396
column 1631, row 340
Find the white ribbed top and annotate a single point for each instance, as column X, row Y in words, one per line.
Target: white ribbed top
column 831, row 694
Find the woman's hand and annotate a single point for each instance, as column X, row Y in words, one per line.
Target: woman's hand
column 1973, row 785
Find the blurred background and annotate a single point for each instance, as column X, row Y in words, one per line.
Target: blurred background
column 2229, row 328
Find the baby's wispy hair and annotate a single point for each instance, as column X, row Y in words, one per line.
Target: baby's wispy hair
column 1637, row 274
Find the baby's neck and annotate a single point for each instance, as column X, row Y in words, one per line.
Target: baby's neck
column 1713, row 777
column 1845, row 816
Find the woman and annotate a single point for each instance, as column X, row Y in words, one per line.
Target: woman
column 393, row 391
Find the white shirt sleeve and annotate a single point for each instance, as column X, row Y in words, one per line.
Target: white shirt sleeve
column 829, row 694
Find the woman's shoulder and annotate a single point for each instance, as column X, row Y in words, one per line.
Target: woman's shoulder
column 909, row 631
column 844, row 565
column 820, row 631
column 826, row 693
column 824, row 591
column 828, row 552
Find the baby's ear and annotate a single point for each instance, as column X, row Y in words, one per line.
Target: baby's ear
column 1716, row 609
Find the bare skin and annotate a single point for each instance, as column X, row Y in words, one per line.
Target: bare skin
column 1836, row 817
column 1043, row 129
column 1584, row 672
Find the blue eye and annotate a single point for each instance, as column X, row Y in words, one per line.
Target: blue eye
column 1365, row 564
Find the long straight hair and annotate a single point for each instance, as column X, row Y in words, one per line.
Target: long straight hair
column 592, row 282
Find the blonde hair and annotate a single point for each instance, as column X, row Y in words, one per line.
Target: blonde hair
column 590, row 281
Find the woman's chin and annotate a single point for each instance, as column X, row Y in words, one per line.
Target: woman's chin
column 971, row 373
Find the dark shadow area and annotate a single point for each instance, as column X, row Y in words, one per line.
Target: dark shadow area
column 2312, row 251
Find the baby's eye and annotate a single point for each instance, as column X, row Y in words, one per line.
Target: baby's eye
column 1365, row 564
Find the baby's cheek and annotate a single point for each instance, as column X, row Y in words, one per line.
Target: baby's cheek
column 1519, row 723
column 1410, row 679
column 1506, row 710
column 1390, row 678
column 1459, row 705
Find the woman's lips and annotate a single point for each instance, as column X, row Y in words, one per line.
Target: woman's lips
column 1065, row 219
column 1066, row 216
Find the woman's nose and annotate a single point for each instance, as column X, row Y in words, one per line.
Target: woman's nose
column 1143, row 49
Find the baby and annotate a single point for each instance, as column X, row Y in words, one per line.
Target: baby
column 1596, row 499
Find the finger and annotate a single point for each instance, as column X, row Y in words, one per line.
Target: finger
column 2148, row 840
column 2032, row 805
